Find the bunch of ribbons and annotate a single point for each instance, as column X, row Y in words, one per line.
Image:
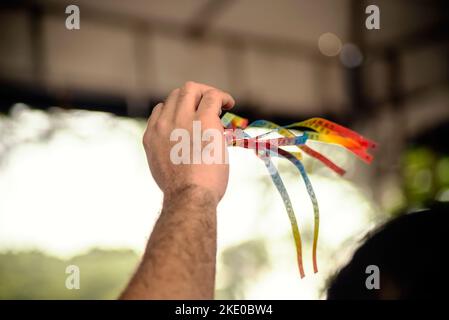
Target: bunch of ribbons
column 316, row 129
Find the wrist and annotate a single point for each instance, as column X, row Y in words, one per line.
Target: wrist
column 191, row 196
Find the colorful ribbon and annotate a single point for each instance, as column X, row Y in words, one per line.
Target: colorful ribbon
column 316, row 129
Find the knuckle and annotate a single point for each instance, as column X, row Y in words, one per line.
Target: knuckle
column 189, row 88
column 189, row 85
column 174, row 92
column 161, row 125
column 213, row 94
column 155, row 110
column 158, row 106
column 184, row 93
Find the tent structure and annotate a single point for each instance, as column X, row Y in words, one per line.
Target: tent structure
column 283, row 60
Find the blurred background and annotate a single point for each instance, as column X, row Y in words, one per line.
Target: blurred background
column 74, row 183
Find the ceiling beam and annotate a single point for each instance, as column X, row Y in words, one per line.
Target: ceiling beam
column 203, row 19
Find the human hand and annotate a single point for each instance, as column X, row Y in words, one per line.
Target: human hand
column 192, row 102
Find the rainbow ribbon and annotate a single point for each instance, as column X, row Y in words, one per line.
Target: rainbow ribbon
column 316, row 129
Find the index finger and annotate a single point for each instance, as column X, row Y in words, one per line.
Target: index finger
column 214, row 100
column 191, row 95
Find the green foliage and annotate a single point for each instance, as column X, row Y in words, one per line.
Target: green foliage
column 35, row 275
column 425, row 176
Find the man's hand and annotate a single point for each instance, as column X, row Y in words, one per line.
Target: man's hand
column 179, row 261
column 192, row 102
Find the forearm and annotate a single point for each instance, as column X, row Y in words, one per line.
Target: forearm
column 179, row 261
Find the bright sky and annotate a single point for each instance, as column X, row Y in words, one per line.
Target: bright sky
column 89, row 186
